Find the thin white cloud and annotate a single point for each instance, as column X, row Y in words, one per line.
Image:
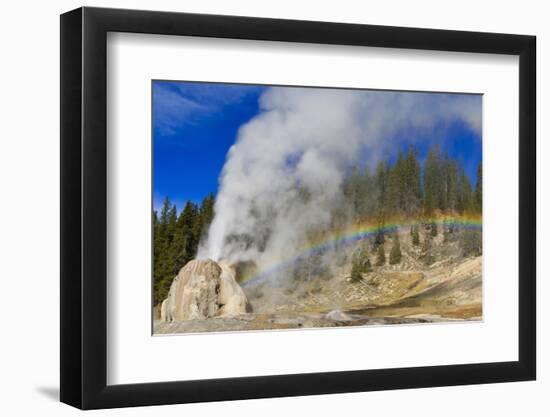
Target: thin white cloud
column 172, row 110
column 177, row 104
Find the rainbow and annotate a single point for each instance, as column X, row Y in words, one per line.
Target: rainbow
column 356, row 233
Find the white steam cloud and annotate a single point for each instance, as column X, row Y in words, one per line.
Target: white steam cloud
column 306, row 140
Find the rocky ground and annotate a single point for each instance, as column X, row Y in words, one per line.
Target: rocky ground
column 449, row 289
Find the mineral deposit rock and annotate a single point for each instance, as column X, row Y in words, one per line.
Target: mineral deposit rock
column 204, row 289
column 232, row 300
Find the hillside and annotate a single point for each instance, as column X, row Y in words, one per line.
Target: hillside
column 447, row 287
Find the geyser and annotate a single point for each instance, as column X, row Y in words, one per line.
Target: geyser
column 283, row 176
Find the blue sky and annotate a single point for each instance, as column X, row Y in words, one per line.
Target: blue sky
column 195, row 124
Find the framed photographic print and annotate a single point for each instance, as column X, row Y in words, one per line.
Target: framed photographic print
column 257, row 208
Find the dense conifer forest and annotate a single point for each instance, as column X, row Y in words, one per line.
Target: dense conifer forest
column 176, row 238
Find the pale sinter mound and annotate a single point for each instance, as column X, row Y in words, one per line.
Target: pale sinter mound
column 204, row 289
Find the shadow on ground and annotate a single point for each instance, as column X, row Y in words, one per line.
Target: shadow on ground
column 50, row 392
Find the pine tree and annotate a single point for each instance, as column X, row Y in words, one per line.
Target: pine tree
column 396, row 186
column 157, row 247
column 156, row 238
column 382, row 174
column 451, row 184
column 395, row 252
column 186, row 242
column 206, row 213
column 163, row 271
column 189, row 225
column 351, row 187
column 465, row 202
column 478, row 191
column 366, row 202
column 412, row 189
column 381, row 257
column 432, row 181
column 415, row 236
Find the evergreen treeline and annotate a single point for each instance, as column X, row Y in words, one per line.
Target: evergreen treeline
column 404, row 189
column 176, row 239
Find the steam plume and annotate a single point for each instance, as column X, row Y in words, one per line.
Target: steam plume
column 283, row 176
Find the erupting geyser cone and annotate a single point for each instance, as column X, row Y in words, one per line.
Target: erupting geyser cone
column 203, row 289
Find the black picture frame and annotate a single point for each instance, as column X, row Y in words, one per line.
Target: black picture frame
column 84, row 207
